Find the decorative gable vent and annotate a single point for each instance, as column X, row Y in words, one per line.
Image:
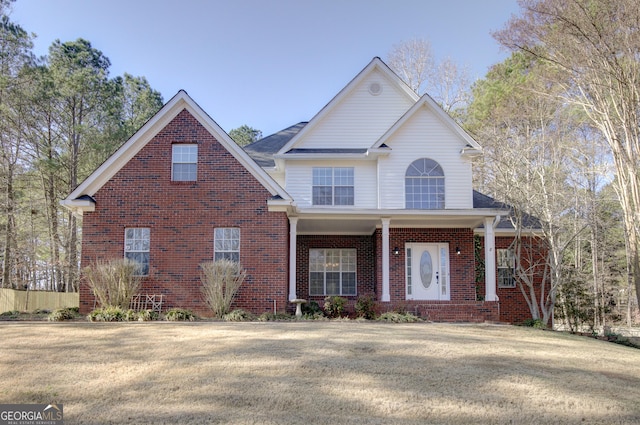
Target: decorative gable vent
column 375, row 88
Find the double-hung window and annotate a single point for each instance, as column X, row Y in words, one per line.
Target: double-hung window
column 226, row 244
column 136, row 247
column 184, row 162
column 332, row 272
column 506, row 267
column 332, row 186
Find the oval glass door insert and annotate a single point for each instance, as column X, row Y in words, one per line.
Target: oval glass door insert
column 426, row 269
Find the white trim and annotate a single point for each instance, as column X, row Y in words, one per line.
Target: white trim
column 293, row 223
column 490, row 259
column 473, row 147
column 386, row 296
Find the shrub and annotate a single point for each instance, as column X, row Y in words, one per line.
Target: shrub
column 395, row 317
column 334, row 306
column 147, row 315
column 179, row 315
column 109, row 314
column 62, row 314
column 221, row 281
column 114, row 282
column 534, row 323
column 366, row 307
column 274, row 317
column 239, row 316
column 10, row 314
column 311, row 308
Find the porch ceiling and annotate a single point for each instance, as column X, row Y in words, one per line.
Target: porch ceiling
column 365, row 222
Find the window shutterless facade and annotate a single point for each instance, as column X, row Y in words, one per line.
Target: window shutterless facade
column 226, row 243
column 332, row 272
column 136, row 247
column 333, row 186
column 424, row 185
column 506, row 268
column 184, row 162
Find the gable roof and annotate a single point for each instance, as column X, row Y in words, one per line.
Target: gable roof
column 375, row 64
column 81, row 199
column 428, row 102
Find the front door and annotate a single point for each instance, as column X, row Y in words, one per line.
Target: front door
column 427, row 271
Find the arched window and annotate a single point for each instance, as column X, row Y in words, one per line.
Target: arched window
column 424, row 185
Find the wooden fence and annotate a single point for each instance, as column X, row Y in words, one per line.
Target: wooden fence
column 28, row 301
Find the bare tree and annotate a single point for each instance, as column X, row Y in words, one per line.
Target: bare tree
column 594, row 48
column 446, row 81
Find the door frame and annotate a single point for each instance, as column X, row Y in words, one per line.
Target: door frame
column 442, row 248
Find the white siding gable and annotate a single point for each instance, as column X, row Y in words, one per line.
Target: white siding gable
column 424, row 135
column 361, row 116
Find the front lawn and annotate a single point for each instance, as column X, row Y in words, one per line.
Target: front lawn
column 317, row 373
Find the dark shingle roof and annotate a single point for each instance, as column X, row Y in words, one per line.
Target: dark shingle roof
column 481, row 200
column 262, row 151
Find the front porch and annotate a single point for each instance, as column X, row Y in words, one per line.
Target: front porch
column 380, row 264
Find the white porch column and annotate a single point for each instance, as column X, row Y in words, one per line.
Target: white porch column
column 293, row 226
column 385, row 259
column 489, row 260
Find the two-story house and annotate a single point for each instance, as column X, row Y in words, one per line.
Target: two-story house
column 373, row 196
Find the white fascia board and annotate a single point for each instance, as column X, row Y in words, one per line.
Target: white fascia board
column 509, row 232
column 78, row 206
column 417, row 214
column 376, row 63
column 427, row 101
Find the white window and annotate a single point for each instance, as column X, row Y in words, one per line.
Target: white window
column 506, row 267
column 184, row 163
column 424, row 185
column 332, row 272
column 136, row 247
column 332, row 186
column 226, row 244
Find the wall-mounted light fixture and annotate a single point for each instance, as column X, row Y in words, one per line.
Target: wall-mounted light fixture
column 457, row 250
column 396, row 251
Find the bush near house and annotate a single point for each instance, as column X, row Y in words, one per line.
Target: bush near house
column 114, row 282
column 221, row 280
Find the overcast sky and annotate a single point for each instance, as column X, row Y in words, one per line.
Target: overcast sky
column 265, row 63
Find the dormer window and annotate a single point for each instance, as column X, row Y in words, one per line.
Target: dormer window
column 332, row 186
column 184, row 162
column 424, row 185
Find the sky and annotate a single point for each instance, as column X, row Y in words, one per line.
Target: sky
column 268, row 64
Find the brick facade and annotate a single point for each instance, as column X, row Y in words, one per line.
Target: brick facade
column 182, row 217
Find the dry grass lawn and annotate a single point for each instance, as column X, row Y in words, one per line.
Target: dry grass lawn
column 317, row 373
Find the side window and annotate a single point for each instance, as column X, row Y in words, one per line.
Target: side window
column 333, row 186
column 226, row 243
column 424, row 185
column 506, row 267
column 184, row 162
column 136, row 247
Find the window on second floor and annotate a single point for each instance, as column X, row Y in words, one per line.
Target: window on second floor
column 184, row 162
column 424, row 185
column 332, row 186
